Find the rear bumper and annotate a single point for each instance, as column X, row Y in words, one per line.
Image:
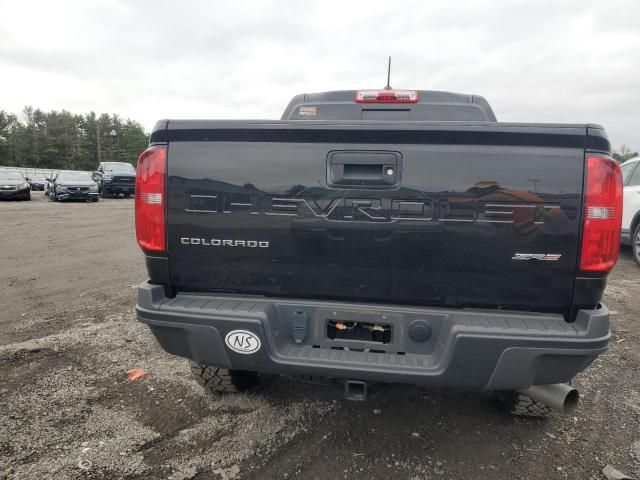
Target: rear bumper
column 475, row 349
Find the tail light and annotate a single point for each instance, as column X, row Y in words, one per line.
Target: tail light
column 150, row 199
column 386, row 96
column 602, row 215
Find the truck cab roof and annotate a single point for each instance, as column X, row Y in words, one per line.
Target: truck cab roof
column 424, row 105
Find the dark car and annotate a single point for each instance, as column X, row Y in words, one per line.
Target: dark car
column 14, row 185
column 37, row 183
column 73, row 186
column 115, row 178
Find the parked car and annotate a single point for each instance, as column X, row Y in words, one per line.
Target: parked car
column 631, row 212
column 14, row 185
column 115, row 178
column 37, row 183
column 73, row 186
column 448, row 252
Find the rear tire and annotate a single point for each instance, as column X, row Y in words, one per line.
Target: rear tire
column 522, row 405
column 635, row 244
column 221, row 380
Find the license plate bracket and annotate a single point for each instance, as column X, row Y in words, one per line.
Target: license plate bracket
column 358, row 331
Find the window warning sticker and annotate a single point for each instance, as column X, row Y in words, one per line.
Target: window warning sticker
column 307, row 110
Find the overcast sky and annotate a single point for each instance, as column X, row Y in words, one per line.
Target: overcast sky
column 535, row 61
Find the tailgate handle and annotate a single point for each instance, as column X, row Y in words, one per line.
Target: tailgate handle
column 364, row 169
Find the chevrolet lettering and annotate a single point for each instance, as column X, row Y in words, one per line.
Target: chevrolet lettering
column 377, row 209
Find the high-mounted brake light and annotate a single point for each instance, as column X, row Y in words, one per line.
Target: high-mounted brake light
column 387, row 96
column 602, row 215
column 150, row 198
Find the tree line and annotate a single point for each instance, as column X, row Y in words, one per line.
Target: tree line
column 624, row 154
column 63, row 140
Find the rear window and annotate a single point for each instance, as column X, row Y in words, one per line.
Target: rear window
column 74, row 176
column 119, row 168
column 634, row 178
column 627, row 170
column 415, row 112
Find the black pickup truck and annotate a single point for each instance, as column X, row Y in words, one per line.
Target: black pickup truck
column 381, row 236
column 114, row 178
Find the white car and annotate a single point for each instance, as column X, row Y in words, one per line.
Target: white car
column 631, row 208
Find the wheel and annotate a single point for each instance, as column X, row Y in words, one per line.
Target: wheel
column 522, row 405
column 221, row 380
column 635, row 244
column 52, row 196
column 127, row 195
column 94, row 200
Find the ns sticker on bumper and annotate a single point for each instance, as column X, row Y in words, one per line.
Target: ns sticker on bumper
column 242, row 341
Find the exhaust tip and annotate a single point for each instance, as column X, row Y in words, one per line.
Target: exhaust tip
column 571, row 401
column 559, row 396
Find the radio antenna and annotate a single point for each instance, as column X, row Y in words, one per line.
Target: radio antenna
column 388, row 87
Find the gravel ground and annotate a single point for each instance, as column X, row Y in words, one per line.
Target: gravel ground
column 68, row 335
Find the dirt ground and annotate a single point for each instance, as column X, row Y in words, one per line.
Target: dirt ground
column 68, row 334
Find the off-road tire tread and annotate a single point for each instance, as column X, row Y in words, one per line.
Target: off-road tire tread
column 221, row 380
column 525, row 406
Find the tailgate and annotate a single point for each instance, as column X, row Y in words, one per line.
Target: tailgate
column 483, row 216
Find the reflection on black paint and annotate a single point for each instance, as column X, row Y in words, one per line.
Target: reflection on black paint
column 446, row 237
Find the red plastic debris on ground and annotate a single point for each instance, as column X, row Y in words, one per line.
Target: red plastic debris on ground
column 134, row 374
